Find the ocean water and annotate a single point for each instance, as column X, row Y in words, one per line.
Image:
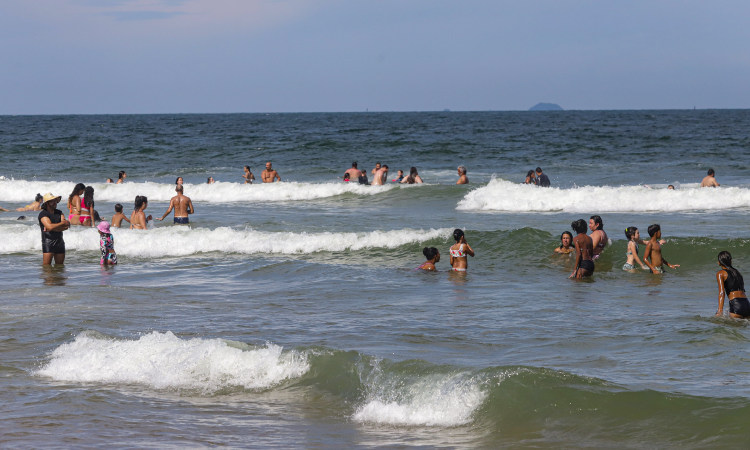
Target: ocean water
column 290, row 316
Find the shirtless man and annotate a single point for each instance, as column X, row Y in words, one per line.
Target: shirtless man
column 375, row 170
column 118, row 217
column 710, row 180
column 462, row 178
column 182, row 206
column 248, row 176
column 353, row 172
column 380, row 176
column 653, row 251
column 598, row 237
column 269, row 174
column 138, row 219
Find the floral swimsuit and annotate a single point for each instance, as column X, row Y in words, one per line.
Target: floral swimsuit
column 107, row 242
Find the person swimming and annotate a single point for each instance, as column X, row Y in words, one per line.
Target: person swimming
column 634, row 237
column 433, row 256
column 566, row 243
column 732, row 285
column 459, row 251
column 584, row 249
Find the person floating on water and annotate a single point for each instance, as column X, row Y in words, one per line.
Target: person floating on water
column 248, row 176
column 732, row 285
column 118, row 217
column 542, row 180
column 598, row 236
column 52, row 223
column 182, row 206
column 584, row 248
column 460, row 251
column 566, row 243
column 106, row 244
column 138, row 219
column 36, row 205
column 269, row 175
column 653, row 252
column 710, row 179
column 462, row 178
column 433, row 256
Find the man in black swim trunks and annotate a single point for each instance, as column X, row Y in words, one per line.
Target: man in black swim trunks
column 182, row 206
column 52, row 223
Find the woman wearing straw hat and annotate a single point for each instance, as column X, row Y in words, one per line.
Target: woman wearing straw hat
column 52, row 222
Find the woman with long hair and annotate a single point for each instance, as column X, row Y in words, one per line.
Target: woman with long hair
column 138, row 219
column 566, row 243
column 413, row 177
column 530, row 177
column 732, row 286
column 460, row 251
column 74, row 204
column 87, row 207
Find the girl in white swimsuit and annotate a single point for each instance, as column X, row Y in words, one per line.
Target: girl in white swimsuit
column 460, row 252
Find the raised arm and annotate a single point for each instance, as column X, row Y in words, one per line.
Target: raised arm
column 469, row 251
column 720, row 277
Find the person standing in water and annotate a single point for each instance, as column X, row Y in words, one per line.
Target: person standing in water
column 399, row 177
column 433, row 256
column 182, row 206
column 460, row 251
column 87, row 207
column 653, row 251
column 118, row 217
column 269, row 175
column 634, row 237
column 413, row 177
column 74, row 204
column 248, row 176
column 138, row 219
column 121, row 177
column 710, row 179
column 566, row 243
column 462, row 178
column 732, row 285
column 353, row 171
column 380, row 176
column 375, row 170
column 52, row 223
column 584, row 248
column 106, row 244
column 530, row 178
column 598, row 236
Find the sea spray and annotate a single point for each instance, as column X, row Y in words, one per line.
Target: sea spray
column 501, row 195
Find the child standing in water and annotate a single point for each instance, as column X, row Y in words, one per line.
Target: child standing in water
column 459, row 251
column 433, row 256
column 106, row 244
column 634, row 237
column 584, row 248
column 653, row 251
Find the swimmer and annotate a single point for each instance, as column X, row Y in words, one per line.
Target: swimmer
column 462, row 178
column 109, row 181
column 118, row 217
column 400, row 176
column 106, row 245
column 670, row 187
column 653, row 252
column 248, row 176
column 731, row 283
column 138, row 219
column 182, row 206
column 433, row 256
column 380, row 176
column 598, row 236
column 566, row 243
column 710, row 179
column 634, row 237
column 269, row 175
column 36, row 205
column 121, row 177
column 584, row 248
column 178, row 181
column 346, row 177
column 353, row 172
column 530, row 177
column 413, row 177
column 210, row 180
column 459, row 252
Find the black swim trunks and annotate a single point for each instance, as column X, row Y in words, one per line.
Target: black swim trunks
column 181, row 220
column 56, row 246
column 739, row 306
column 587, row 265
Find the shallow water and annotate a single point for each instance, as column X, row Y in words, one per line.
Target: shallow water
column 289, row 315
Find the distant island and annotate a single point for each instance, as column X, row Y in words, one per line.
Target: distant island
column 546, row 107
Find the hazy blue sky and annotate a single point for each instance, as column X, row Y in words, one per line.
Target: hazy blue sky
column 148, row 56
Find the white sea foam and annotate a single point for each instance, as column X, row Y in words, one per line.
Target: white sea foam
column 501, row 195
column 162, row 360
column 182, row 241
column 433, row 400
column 24, row 191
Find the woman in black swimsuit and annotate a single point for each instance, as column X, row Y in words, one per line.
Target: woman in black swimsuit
column 584, row 249
column 731, row 283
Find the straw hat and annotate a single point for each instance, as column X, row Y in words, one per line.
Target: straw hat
column 47, row 197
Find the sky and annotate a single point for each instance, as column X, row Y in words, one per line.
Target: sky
column 225, row 56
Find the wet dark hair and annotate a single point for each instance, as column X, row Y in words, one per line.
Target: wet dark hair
column 413, row 171
column 538, row 170
column 430, row 252
column 139, row 201
column 458, row 234
column 725, row 259
column 530, row 173
column 385, row 165
column 118, row 208
column 110, row 180
column 377, row 164
column 208, row 180
column 354, row 164
column 630, row 232
column 177, row 180
column 711, row 171
column 38, row 198
column 563, row 234
column 579, row 226
column 76, row 190
column 653, row 229
column 119, row 177
column 97, row 218
column 248, row 168
column 88, row 197
column 598, row 220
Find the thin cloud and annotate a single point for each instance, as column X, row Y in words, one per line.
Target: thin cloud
column 143, row 15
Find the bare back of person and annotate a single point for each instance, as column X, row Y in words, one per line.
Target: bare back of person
column 599, row 241
column 379, row 178
column 117, row 219
column 584, row 248
column 138, row 220
column 709, row 181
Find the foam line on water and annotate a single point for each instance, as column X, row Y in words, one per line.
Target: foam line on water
column 162, row 360
column 182, row 241
column 24, row 191
column 501, row 195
